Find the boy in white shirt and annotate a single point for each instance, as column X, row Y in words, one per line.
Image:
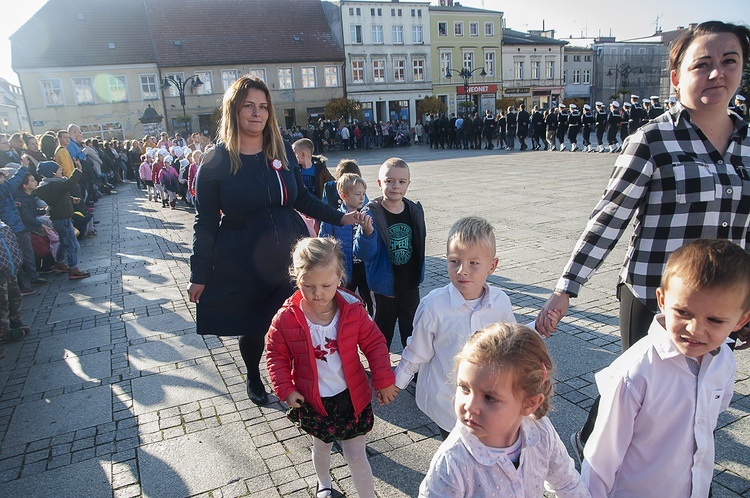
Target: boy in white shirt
column 661, row 399
column 447, row 316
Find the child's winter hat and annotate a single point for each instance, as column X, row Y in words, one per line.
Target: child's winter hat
column 47, row 168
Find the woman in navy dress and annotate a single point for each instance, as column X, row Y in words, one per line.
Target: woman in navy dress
column 247, row 192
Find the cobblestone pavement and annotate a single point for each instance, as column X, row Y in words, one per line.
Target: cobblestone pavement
column 113, row 393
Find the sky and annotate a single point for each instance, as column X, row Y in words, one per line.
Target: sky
column 589, row 18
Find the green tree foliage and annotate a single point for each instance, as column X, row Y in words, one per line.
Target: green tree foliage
column 344, row 108
column 431, row 105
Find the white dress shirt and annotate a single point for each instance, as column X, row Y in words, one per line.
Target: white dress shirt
column 654, row 432
column 463, row 466
column 442, row 325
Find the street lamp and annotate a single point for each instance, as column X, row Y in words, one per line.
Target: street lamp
column 465, row 74
column 623, row 70
column 180, row 85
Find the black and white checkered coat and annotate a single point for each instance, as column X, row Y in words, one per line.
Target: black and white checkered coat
column 676, row 187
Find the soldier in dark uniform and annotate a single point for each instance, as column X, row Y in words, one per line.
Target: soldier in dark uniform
column 551, row 121
column 466, row 130
column 500, row 126
column 646, row 110
column 656, row 108
column 739, row 106
column 445, row 125
column 537, row 128
column 489, row 129
column 562, row 125
column 452, row 143
column 574, row 127
column 478, row 129
column 625, row 121
column 511, row 120
column 636, row 111
column 434, row 132
column 613, row 125
column 523, row 126
column 601, row 124
column 587, row 122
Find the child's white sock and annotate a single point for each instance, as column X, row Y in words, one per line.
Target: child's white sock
column 356, row 456
column 321, row 457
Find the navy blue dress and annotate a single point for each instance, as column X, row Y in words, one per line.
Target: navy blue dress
column 245, row 228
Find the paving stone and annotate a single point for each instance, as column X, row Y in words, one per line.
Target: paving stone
column 73, row 370
column 152, row 354
column 161, row 324
column 73, row 481
column 58, row 345
column 53, row 416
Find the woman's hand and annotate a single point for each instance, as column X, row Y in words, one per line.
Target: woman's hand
column 552, row 312
column 352, row 218
column 195, row 291
column 385, row 396
column 294, row 400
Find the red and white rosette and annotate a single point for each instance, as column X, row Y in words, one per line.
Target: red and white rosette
column 277, row 166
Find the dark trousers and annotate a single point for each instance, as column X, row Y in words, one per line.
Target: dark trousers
column 10, row 303
column 359, row 281
column 401, row 308
column 635, row 319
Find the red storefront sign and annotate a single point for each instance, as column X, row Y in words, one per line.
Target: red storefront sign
column 476, row 89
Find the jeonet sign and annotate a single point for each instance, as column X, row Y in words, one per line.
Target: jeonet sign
column 476, row 89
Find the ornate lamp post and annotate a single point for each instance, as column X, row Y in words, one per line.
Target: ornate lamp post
column 465, row 74
column 180, row 85
column 623, row 70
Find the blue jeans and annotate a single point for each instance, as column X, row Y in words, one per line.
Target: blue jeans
column 68, row 242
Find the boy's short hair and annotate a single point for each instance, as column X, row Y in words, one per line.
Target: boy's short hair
column 393, row 162
column 472, row 230
column 348, row 181
column 304, row 144
column 708, row 264
column 347, row 166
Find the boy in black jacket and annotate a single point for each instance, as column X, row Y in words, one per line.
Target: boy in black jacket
column 55, row 191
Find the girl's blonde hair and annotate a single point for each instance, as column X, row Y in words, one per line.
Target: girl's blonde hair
column 515, row 350
column 315, row 253
column 229, row 131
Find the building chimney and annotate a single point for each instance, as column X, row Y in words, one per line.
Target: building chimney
column 446, row 3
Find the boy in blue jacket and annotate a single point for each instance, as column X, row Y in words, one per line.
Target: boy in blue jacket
column 351, row 188
column 391, row 242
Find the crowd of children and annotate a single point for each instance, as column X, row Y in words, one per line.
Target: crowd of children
column 484, row 380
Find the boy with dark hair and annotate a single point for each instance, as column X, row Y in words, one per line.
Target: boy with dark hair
column 314, row 170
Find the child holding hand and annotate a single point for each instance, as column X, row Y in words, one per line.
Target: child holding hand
column 330, row 398
column 503, row 444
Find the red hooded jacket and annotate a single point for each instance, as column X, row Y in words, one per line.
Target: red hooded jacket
column 290, row 358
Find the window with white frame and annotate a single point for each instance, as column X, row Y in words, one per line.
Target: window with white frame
column 550, row 70
column 331, row 76
column 378, row 70
column 207, row 88
column 587, row 58
column 358, row 71
column 228, row 76
column 442, row 29
column 308, row 77
column 468, row 60
column 399, row 70
column 489, row 63
column 576, row 58
column 355, row 33
column 351, row 11
column 418, row 66
column 445, row 63
column 565, row 77
column 52, row 92
column 576, row 76
column 172, row 90
column 259, row 73
column 458, row 28
column 149, row 86
column 398, row 35
column 377, row 33
column 285, row 78
column 587, row 76
column 536, row 70
column 83, row 88
column 118, row 89
column 473, row 29
column 518, row 70
column 489, row 29
column 417, row 34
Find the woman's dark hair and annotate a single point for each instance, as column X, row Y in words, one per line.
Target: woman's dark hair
column 48, row 144
column 27, row 138
column 680, row 46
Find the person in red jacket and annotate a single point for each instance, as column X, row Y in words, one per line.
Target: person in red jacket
column 313, row 362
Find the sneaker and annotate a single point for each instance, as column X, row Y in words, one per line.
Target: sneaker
column 577, row 444
column 27, row 292
column 19, row 326
column 13, row 335
column 46, row 272
column 60, row 268
column 38, row 282
column 76, row 274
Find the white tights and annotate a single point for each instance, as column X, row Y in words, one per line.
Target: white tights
column 356, row 458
